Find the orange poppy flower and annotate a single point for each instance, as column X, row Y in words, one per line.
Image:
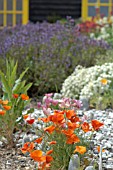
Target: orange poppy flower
column 43, row 166
column 98, row 149
column 72, row 139
column 75, row 119
column 70, row 113
column 49, row 152
column 96, row 124
column 104, row 81
column 5, row 102
column 36, row 155
column 25, row 116
column 24, row 97
column 50, row 129
column 73, row 125
column 85, row 127
column 7, row 107
column 52, row 143
column 80, row 149
column 38, row 140
column 57, row 118
column 28, row 147
column 68, row 132
column 44, row 119
column 15, row 96
column 48, row 158
column 2, row 112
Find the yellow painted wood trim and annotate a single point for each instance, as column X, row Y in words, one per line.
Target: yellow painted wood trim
column 99, row 4
column 25, row 11
column 85, row 5
column 14, row 12
column 11, row 12
column 110, row 7
column 5, row 14
column 84, row 9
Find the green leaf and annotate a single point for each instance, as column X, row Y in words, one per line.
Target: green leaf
column 27, row 87
column 5, row 83
column 13, row 75
column 16, row 88
column 8, row 70
column 30, row 110
column 23, row 73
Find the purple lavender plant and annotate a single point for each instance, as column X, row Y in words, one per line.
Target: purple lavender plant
column 51, row 51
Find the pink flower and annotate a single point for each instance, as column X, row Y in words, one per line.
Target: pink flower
column 46, row 110
column 54, row 102
column 49, row 94
column 47, row 101
column 39, row 105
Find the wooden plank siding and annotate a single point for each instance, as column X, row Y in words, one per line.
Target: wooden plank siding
column 40, row 10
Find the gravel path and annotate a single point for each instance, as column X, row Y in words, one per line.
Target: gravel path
column 14, row 160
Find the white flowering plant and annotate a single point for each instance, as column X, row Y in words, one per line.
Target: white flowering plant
column 104, row 31
column 94, row 84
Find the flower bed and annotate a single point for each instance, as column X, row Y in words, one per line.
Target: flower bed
column 51, row 51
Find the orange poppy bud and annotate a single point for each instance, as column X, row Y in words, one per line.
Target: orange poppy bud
column 49, row 152
column 24, row 97
column 1, row 101
column 15, row 96
column 25, row 116
column 7, row 107
column 38, row 140
column 52, row 142
column 2, row 112
column 5, row 102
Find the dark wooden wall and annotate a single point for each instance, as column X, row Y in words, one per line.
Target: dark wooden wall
column 40, row 10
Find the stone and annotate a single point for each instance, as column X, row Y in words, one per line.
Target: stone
column 25, row 139
column 90, row 168
column 85, row 104
column 74, row 163
column 99, row 136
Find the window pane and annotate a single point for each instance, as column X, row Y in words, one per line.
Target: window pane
column 1, row 4
column 104, row 10
column 92, row 1
column 18, row 18
column 9, row 19
column 19, row 5
column 9, row 4
column 1, row 19
column 91, row 11
column 104, row 1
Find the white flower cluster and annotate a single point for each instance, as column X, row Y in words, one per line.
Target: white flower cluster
column 104, row 32
column 85, row 82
